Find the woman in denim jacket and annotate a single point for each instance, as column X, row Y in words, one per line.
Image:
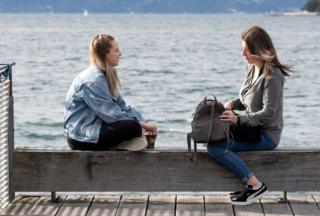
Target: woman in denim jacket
column 261, row 97
column 95, row 116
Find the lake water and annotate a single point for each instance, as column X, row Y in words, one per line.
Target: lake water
column 169, row 63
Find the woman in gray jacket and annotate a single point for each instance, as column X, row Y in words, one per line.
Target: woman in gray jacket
column 261, row 97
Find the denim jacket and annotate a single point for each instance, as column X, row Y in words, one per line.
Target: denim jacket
column 88, row 103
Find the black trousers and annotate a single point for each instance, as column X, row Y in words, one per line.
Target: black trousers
column 110, row 135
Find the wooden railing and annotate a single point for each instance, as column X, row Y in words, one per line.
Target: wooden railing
column 6, row 132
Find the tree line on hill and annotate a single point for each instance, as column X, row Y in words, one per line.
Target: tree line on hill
column 312, row 6
column 150, row 6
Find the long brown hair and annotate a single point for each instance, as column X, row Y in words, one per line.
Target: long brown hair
column 260, row 46
column 99, row 48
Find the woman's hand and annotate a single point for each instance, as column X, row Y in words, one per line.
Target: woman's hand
column 229, row 116
column 149, row 127
column 229, row 105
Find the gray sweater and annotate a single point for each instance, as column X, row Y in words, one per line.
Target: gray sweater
column 263, row 103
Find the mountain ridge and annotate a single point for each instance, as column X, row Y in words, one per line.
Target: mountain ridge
column 150, row 6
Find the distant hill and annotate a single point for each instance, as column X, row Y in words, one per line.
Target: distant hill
column 150, row 6
column 312, row 6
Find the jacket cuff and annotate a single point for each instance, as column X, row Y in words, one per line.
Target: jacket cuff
column 243, row 119
column 237, row 105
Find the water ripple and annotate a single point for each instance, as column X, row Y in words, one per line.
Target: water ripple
column 169, row 64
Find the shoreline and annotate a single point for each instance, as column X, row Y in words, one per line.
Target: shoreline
column 301, row 13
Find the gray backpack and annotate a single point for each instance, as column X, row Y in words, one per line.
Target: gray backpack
column 206, row 125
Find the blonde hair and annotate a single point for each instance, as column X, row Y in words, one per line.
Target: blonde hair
column 260, row 45
column 99, row 48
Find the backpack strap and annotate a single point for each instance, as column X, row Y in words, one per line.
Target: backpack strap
column 213, row 107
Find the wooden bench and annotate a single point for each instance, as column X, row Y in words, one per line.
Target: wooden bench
column 45, row 170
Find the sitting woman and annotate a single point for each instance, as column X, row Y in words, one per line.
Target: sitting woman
column 95, row 116
column 261, row 96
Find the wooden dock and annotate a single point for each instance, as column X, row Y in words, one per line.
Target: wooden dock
column 159, row 204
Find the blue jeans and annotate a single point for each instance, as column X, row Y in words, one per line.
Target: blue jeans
column 223, row 154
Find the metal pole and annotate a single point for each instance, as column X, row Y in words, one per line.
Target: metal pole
column 11, row 137
column 54, row 198
column 284, row 199
column 195, row 151
column 189, row 146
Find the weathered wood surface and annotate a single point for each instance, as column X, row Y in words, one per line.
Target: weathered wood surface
column 133, row 205
column 104, row 205
column 44, row 206
column 215, row 205
column 20, row 206
column 171, row 170
column 190, row 205
column 317, row 199
column 161, row 205
column 272, row 207
column 218, row 205
column 254, row 209
column 75, row 206
column 303, row 205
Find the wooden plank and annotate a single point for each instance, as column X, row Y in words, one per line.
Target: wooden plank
column 21, row 205
column 303, row 205
column 190, row 205
column 105, row 205
column 44, row 206
column 154, row 170
column 75, row 206
column 254, row 209
column 133, row 205
column 272, row 207
column 161, row 205
column 317, row 199
column 218, row 205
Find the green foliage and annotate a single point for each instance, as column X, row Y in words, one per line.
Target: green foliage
column 312, row 6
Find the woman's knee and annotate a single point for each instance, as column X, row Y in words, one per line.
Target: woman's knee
column 121, row 130
column 129, row 128
column 134, row 127
column 267, row 142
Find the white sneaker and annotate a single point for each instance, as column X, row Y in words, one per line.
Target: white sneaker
column 135, row 144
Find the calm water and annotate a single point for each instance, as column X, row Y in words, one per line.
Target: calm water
column 169, row 63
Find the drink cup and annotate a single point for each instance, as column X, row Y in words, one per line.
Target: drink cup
column 151, row 138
